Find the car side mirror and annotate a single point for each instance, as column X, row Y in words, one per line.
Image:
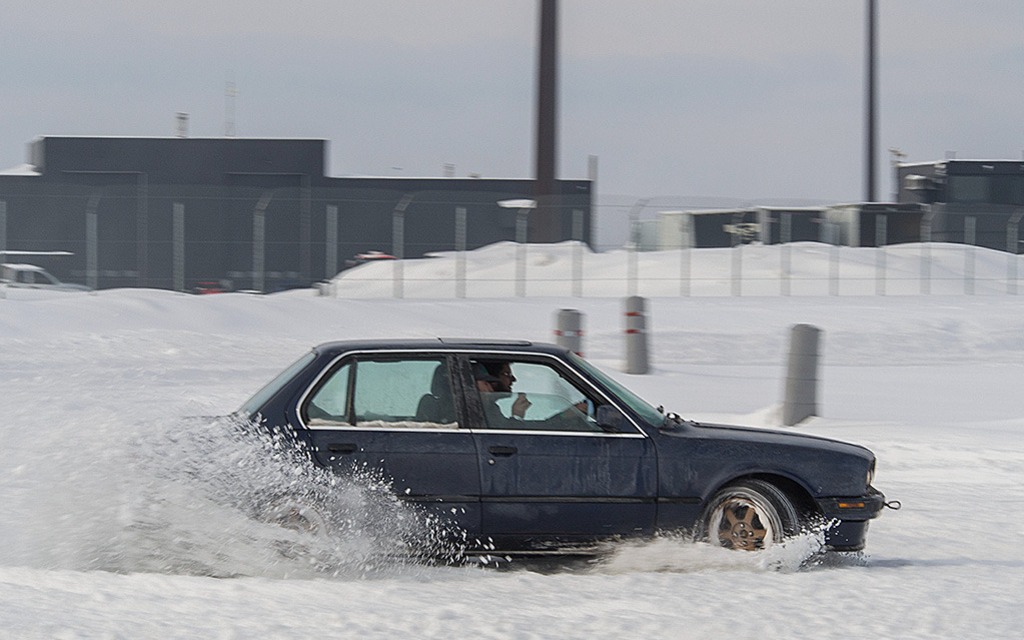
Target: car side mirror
column 610, row 419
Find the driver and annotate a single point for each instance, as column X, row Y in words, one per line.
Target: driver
column 494, row 380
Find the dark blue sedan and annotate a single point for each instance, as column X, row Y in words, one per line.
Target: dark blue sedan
column 527, row 447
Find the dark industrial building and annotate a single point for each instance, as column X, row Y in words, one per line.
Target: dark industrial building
column 977, row 202
column 969, row 201
column 789, row 224
column 872, row 224
column 233, row 213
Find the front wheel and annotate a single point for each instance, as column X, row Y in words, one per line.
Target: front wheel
column 749, row 515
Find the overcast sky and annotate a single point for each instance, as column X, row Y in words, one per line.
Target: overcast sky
column 732, row 98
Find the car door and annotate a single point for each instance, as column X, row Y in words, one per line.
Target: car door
column 553, row 476
column 398, row 415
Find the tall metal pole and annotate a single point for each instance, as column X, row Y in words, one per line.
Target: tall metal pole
column 870, row 106
column 545, row 225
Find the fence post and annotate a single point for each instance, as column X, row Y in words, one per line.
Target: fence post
column 258, row 242
column 880, row 241
column 632, row 268
column 521, row 226
column 331, row 242
column 833, row 269
column 3, row 227
column 737, row 256
column 926, row 256
column 577, row 256
column 636, row 336
column 785, row 238
column 92, row 241
column 1012, row 246
column 685, row 242
column 631, row 258
column 460, row 252
column 801, row 390
column 969, row 239
column 178, row 250
column 398, row 245
column 3, row 242
column 569, row 330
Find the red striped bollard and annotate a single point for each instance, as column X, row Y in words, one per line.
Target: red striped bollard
column 636, row 336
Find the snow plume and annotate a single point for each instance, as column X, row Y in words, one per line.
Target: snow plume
column 94, row 491
column 679, row 553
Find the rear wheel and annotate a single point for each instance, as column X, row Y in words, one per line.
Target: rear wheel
column 749, row 515
column 294, row 515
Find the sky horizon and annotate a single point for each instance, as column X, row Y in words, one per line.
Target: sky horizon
column 732, row 99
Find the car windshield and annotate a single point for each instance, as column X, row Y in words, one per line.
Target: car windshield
column 253, row 404
column 633, row 401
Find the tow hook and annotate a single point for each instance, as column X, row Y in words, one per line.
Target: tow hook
column 895, row 505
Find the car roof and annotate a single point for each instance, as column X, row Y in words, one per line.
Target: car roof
column 441, row 345
column 18, row 266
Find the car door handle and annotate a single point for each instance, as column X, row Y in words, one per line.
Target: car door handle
column 500, row 450
column 341, row 447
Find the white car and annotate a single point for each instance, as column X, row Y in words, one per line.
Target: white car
column 30, row 276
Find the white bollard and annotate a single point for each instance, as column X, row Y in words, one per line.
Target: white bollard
column 801, row 392
column 636, row 336
column 569, row 330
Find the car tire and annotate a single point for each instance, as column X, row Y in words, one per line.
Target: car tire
column 296, row 516
column 749, row 515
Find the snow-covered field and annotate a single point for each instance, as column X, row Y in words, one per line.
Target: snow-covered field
column 120, row 515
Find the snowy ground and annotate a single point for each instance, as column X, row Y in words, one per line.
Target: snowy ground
column 117, row 511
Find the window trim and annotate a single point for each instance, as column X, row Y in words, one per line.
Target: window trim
column 389, row 354
column 458, row 367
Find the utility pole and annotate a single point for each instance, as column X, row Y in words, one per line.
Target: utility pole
column 546, row 220
column 871, row 104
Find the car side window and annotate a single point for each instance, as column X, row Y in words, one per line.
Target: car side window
column 385, row 393
column 404, row 393
column 535, row 396
column 329, row 403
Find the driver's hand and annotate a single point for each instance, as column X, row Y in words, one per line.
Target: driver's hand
column 520, row 405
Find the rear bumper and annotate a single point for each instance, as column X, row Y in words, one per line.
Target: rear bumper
column 847, row 519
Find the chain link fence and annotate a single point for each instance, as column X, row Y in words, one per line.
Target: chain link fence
column 270, row 239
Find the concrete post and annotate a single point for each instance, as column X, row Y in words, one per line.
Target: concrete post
column 569, row 330
column 801, row 391
column 636, row 336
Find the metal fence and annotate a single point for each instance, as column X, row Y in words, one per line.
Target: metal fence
column 266, row 240
column 799, row 269
column 745, row 269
